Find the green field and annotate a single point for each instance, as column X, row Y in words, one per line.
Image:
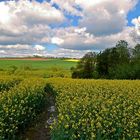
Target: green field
column 37, row 68
column 39, row 64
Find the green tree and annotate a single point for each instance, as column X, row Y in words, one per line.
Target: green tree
column 103, row 63
column 123, row 52
column 85, row 67
column 109, row 59
column 136, row 52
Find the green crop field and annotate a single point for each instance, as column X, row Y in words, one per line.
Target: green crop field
column 39, row 64
column 37, row 68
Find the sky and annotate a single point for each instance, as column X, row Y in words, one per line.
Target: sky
column 66, row 28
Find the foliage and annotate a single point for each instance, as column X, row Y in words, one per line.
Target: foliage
column 136, row 53
column 8, row 82
column 119, row 62
column 96, row 110
column 20, row 105
column 126, row 71
column 85, row 66
column 109, row 59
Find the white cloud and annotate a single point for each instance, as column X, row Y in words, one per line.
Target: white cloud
column 39, row 48
column 102, row 18
column 79, row 39
column 2, row 51
column 37, row 54
column 57, row 40
column 16, row 47
column 136, row 22
column 136, row 31
column 24, row 24
column 80, row 30
column 31, row 12
column 4, row 15
column 61, row 52
column 21, row 50
column 67, row 6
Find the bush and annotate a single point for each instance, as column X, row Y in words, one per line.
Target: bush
column 85, row 67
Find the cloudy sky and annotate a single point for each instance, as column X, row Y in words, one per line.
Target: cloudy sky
column 66, row 28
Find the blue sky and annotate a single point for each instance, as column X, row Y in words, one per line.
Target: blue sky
column 65, row 28
column 133, row 14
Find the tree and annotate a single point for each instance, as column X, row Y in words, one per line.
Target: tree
column 103, row 63
column 136, row 52
column 123, row 52
column 119, row 62
column 85, row 67
column 109, row 59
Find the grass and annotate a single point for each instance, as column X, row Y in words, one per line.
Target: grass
column 40, row 68
column 41, row 64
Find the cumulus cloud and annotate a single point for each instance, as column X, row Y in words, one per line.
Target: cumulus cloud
column 16, row 47
column 135, row 34
column 25, row 24
column 79, row 39
column 67, row 6
column 80, row 30
column 39, row 48
column 27, row 12
column 136, row 22
column 21, row 50
column 100, row 17
column 57, row 40
column 2, row 52
column 61, row 52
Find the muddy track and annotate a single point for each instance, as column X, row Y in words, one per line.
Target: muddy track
column 40, row 130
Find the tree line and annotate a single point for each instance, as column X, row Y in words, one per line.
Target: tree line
column 119, row 62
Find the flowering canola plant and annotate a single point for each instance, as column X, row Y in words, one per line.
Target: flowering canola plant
column 20, row 105
column 96, row 109
column 8, row 82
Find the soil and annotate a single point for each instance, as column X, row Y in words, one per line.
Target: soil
column 40, row 130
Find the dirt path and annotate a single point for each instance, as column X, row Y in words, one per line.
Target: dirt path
column 40, row 130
